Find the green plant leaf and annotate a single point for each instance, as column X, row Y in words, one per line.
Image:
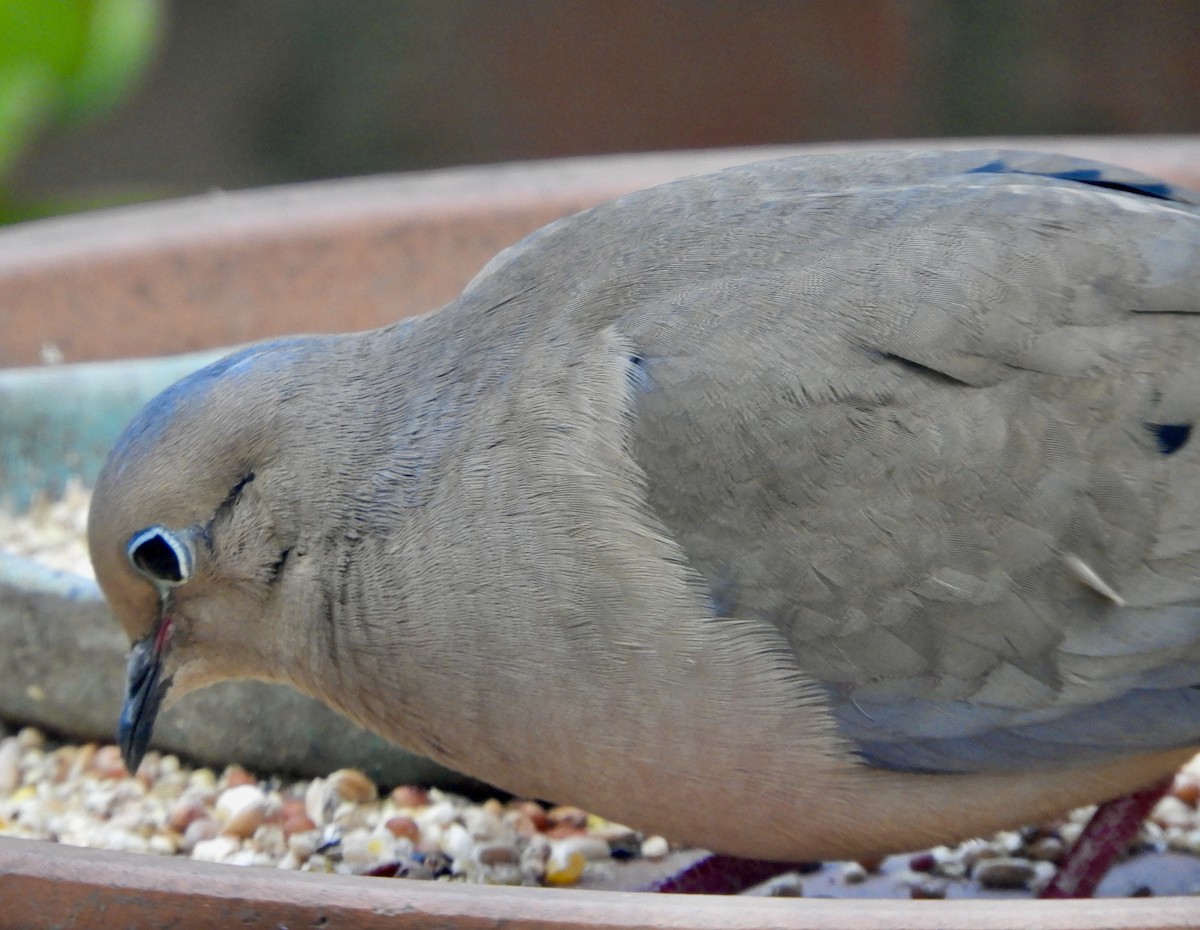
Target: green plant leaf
column 120, row 39
column 29, row 96
column 48, row 33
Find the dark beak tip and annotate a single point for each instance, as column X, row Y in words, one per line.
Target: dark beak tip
column 132, row 738
column 145, row 688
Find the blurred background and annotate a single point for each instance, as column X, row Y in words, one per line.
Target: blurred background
column 107, row 101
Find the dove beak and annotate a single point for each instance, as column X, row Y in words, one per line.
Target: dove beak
column 145, row 688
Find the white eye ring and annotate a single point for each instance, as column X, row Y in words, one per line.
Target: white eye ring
column 160, row 555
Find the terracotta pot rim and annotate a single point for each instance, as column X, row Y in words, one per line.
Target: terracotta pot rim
column 48, row 885
column 466, row 190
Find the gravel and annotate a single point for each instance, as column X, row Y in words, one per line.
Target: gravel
column 52, row 531
column 82, row 795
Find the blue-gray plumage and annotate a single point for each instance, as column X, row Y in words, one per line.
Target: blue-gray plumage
column 821, row 507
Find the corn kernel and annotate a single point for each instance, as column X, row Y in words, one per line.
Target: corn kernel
column 562, row 873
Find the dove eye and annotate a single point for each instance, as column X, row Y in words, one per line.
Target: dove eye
column 160, row 555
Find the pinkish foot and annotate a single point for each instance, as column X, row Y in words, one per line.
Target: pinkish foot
column 1106, row 836
column 715, row 874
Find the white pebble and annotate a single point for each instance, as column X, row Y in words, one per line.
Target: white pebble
column 1172, row 812
column 503, row 873
column 319, row 802
column 304, row 844
column 124, row 841
column 973, row 851
column 456, row 842
column 99, row 799
column 199, row 831
column 1043, row 874
column 163, row 845
column 269, row 839
column 440, row 814
column 356, row 848
column 655, row 847
column 218, row 849
column 1081, row 815
column 330, row 837
column 592, row 848
column 484, row 825
column 948, row 862
column 241, row 810
column 290, row 862
column 248, row 857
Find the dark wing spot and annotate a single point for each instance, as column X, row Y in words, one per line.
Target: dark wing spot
column 279, row 563
column 231, row 499
column 1170, row 437
column 236, row 491
column 925, row 371
column 1093, row 177
column 636, row 373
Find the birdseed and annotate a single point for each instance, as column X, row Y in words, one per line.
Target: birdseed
column 52, row 532
column 81, row 795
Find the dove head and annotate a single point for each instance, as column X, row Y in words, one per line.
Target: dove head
column 193, row 520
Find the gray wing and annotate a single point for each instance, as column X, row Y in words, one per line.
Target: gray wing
column 930, row 417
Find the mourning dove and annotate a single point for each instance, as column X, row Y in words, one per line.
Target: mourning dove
column 816, row 508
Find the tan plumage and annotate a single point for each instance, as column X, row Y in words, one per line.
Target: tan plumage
column 820, row 507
